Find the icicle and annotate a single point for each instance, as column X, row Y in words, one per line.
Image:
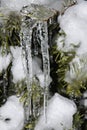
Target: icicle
column 26, row 35
column 43, row 36
column 37, row 20
column 35, row 41
column 4, row 88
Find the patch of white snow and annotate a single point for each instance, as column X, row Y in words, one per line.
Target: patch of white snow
column 12, row 115
column 60, row 113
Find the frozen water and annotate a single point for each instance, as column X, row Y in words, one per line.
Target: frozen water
column 37, row 71
column 85, row 96
column 84, row 99
column 46, row 63
column 83, row 102
column 19, row 70
column 60, row 113
column 12, row 115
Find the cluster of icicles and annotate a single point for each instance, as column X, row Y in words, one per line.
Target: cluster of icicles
column 26, row 40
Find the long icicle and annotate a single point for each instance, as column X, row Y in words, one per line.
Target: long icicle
column 26, row 33
column 46, row 65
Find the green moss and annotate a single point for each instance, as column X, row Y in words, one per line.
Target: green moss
column 9, row 31
column 36, row 93
column 61, row 61
column 59, row 68
column 77, row 120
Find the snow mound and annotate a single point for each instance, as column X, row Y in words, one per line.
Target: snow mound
column 12, row 115
column 74, row 24
column 60, row 113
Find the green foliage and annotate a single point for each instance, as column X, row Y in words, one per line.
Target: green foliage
column 77, row 122
column 6, row 86
column 9, row 31
column 79, row 82
column 31, row 124
column 62, row 64
column 12, row 28
column 75, row 87
column 68, row 3
column 62, row 60
column 36, row 95
column 36, row 92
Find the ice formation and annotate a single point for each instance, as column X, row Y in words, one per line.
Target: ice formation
column 19, row 68
column 84, row 99
column 85, row 102
column 12, row 115
column 37, row 71
column 60, row 113
column 74, row 24
column 85, row 96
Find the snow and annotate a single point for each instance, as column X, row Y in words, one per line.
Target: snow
column 60, row 113
column 18, row 4
column 12, row 115
column 60, row 110
column 4, row 60
column 74, row 24
column 17, row 64
column 14, row 4
column 74, row 21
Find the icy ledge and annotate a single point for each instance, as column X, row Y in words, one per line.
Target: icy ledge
column 60, row 113
column 12, row 115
